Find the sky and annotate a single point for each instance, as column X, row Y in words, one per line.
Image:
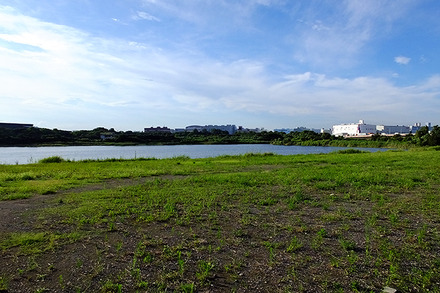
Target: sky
column 130, row 64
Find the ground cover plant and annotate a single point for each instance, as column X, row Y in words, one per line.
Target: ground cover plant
column 341, row 222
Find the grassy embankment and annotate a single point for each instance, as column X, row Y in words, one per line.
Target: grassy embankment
column 336, row 223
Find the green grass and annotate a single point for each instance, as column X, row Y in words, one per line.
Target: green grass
column 345, row 221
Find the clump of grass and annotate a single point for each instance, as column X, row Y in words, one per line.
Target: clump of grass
column 351, row 151
column 3, row 284
column 250, row 155
column 204, row 270
column 53, row 159
column 295, row 244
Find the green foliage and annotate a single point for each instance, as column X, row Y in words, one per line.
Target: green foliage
column 53, row 159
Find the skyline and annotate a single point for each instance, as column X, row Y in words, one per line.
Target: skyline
column 261, row 64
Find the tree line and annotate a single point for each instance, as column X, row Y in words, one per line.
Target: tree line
column 34, row 136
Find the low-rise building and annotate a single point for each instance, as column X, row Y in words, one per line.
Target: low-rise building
column 15, row 125
column 157, row 129
column 397, row 129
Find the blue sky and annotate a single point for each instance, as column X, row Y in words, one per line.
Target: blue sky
column 130, row 64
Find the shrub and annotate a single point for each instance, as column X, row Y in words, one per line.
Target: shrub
column 53, row 159
column 351, row 151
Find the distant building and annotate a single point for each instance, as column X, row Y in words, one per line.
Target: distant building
column 158, row 129
column 383, row 129
column 192, row 128
column 231, row 129
column 177, row 130
column 299, row 129
column 15, row 125
column 354, row 129
column 107, row 135
column 417, row 126
column 242, row 129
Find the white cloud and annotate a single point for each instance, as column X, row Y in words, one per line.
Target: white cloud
column 402, row 60
column 145, row 16
column 74, row 75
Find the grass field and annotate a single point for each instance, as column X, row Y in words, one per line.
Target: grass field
column 340, row 222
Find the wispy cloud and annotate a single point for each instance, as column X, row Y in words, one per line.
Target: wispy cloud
column 145, row 16
column 339, row 36
column 402, row 60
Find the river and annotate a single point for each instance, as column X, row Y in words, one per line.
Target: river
column 28, row 155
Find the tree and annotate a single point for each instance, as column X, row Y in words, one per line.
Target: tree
column 422, row 136
column 435, row 136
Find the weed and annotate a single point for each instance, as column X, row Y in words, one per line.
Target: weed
column 322, row 232
column 297, row 198
column 119, row 246
column 294, row 245
column 180, row 262
column 271, row 246
column 61, row 281
column 319, row 238
column 3, row 284
column 143, row 285
column 347, row 244
column 204, row 270
column 421, row 236
column 109, row 286
column 187, row 288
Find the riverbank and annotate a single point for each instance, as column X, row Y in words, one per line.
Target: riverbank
column 339, row 222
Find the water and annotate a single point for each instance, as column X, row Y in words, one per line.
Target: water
column 26, row 155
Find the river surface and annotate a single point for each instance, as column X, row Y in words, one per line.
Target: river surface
column 28, row 155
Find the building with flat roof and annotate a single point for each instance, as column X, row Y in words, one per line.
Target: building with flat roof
column 394, row 129
column 354, row 129
column 157, row 129
column 15, row 125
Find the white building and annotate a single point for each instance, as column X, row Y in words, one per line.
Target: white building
column 353, row 129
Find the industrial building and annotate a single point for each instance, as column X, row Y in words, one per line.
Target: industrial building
column 354, row 129
column 157, row 129
column 363, row 129
column 397, row 129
